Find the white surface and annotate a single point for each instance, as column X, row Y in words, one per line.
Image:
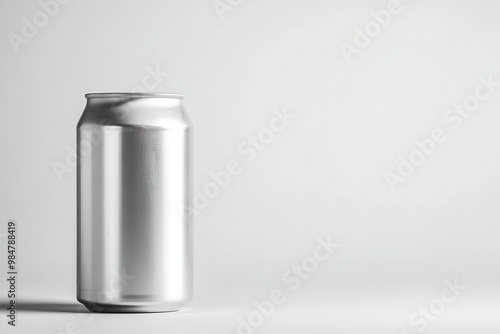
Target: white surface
column 322, row 175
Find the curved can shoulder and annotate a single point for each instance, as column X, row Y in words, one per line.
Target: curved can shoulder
column 135, row 112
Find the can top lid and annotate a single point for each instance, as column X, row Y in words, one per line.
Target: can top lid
column 133, row 94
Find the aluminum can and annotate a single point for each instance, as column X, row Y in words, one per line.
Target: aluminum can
column 134, row 193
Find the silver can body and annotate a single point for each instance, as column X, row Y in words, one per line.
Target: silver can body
column 134, row 229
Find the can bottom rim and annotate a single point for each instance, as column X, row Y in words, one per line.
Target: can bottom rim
column 115, row 308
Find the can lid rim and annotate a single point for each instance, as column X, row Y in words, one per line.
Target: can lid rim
column 134, row 94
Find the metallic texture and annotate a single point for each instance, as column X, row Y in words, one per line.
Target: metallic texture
column 134, row 229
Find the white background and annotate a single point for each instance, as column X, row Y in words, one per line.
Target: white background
column 323, row 175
